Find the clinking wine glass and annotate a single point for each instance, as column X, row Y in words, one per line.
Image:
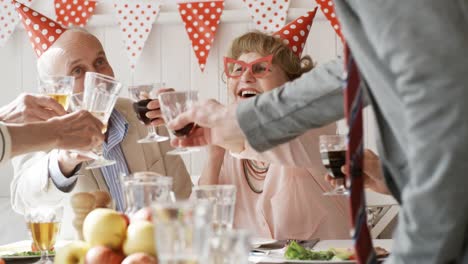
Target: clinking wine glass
column 100, row 104
column 172, row 104
column 100, row 95
column 333, row 152
column 142, row 95
column 57, row 87
column 44, row 224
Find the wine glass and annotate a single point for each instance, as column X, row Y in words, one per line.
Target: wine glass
column 76, row 104
column 100, row 104
column 172, row 104
column 57, row 87
column 44, row 223
column 94, row 80
column 99, row 98
column 142, row 95
column 333, row 153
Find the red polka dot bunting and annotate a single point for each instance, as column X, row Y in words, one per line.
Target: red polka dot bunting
column 136, row 18
column 42, row 31
column 328, row 9
column 295, row 33
column 268, row 15
column 201, row 19
column 74, row 12
column 8, row 19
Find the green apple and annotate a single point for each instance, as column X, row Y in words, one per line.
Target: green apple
column 105, row 227
column 139, row 238
column 73, row 253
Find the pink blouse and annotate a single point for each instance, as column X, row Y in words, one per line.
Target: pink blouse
column 292, row 204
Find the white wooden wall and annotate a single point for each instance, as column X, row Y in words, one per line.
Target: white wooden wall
column 167, row 56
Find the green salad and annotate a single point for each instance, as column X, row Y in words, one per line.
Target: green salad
column 27, row 254
column 296, row 251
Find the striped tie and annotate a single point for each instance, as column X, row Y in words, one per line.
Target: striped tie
column 353, row 110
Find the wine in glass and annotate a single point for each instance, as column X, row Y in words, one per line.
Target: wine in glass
column 100, row 104
column 333, row 153
column 57, row 87
column 44, row 224
column 99, row 98
column 142, row 95
column 172, row 104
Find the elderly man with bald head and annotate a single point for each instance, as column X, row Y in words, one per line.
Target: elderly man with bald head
column 54, row 176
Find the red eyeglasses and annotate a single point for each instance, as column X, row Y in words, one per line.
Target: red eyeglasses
column 259, row 68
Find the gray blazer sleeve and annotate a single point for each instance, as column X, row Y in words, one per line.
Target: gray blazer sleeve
column 422, row 43
column 314, row 100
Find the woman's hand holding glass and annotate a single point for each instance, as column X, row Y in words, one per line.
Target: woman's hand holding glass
column 147, row 108
column 173, row 104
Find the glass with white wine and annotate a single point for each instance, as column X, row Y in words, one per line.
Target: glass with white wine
column 100, row 104
column 59, row 88
column 99, row 98
column 44, row 224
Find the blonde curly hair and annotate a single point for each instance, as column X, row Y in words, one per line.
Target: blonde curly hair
column 265, row 45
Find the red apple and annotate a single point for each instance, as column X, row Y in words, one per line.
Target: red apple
column 102, row 254
column 142, row 214
column 140, row 258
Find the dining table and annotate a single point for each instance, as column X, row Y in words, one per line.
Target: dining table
column 268, row 253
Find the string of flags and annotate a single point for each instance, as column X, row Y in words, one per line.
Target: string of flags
column 136, row 18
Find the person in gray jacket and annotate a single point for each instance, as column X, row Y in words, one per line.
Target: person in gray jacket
column 409, row 54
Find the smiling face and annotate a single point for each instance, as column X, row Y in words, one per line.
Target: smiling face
column 247, row 85
column 73, row 54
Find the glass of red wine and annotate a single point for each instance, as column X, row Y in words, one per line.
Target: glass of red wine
column 142, row 95
column 333, row 153
column 172, row 104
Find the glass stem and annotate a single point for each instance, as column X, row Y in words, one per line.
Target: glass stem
column 340, row 183
column 44, row 255
column 152, row 131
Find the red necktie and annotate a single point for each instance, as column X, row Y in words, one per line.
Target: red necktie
column 353, row 110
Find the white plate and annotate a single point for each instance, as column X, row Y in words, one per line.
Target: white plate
column 22, row 246
column 277, row 256
column 258, row 241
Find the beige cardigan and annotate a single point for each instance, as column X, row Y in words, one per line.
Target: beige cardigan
column 32, row 185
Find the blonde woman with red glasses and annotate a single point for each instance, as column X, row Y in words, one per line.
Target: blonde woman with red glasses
column 280, row 191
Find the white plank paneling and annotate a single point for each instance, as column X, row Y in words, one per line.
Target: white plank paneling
column 167, row 56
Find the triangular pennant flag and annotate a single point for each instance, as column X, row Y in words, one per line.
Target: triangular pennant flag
column 8, row 19
column 136, row 18
column 295, row 33
column 74, row 12
column 328, row 9
column 268, row 15
column 201, row 20
column 42, row 31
